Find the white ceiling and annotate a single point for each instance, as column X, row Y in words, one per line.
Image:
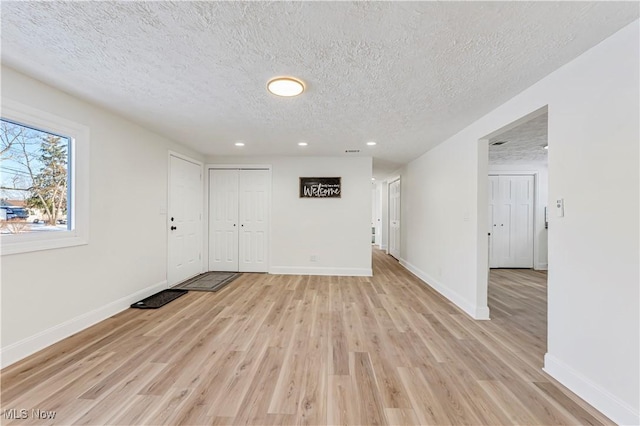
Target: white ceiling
column 523, row 144
column 406, row 75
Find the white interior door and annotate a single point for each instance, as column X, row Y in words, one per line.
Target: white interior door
column 394, row 219
column 511, row 207
column 223, row 220
column 254, row 220
column 184, row 220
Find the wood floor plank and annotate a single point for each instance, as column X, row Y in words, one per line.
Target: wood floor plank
column 371, row 404
column 308, row 350
column 401, row 416
column 340, row 408
column 255, row 406
column 109, row 403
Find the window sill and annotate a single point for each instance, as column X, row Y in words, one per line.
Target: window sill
column 25, row 244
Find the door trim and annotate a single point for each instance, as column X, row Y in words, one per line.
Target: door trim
column 205, row 224
column 165, row 211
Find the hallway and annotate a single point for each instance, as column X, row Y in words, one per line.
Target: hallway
column 278, row 349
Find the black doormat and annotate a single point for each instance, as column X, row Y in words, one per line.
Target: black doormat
column 159, row 299
column 209, row 281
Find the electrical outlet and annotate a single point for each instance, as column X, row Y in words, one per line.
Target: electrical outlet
column 313, row 258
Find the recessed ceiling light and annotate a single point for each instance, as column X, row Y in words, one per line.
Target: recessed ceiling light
column 239, row 144
column 302, row 144
column 373, row 178
column 285, row 86
column 372, row 143
column 546, row 147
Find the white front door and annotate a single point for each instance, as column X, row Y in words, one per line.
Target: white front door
column 239, row 220
column 184, row 220
column 254, row 220
column 394, row 219
column 511, row 203
column 223, row 220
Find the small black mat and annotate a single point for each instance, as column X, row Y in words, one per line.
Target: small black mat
column 159, row 299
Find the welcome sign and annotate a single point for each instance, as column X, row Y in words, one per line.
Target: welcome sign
column 320, row 187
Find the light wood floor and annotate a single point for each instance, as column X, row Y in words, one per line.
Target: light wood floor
column 273, row 349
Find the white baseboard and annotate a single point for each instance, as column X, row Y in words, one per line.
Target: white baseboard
column 541, row 267
column 25, row 347
column 345, row 272
column 601, row 399
column 476, row 312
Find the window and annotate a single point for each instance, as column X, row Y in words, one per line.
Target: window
column 34, row 173
column 43, row 180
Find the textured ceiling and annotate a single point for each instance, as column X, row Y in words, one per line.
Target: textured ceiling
column 406, row 75
column 523, row 144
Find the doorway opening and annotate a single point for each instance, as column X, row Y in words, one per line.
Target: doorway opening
column 513, row 193
column 394, row 218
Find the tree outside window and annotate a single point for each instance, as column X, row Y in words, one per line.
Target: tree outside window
column 34, row 191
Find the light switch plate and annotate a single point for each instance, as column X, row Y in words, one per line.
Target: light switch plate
column 560, row 207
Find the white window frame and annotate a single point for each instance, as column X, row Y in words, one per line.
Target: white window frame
column 79, row 185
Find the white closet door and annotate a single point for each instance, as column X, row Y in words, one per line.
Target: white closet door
column 521, row 222
column 511, row 202
column 494, row 221
column 254, row 220
column 223, row 220
column 394, row 219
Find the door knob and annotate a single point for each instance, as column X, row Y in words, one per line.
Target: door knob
column 173, row 228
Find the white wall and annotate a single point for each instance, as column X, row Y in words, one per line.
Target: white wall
column 541, row 196
column 593, row 318
column 48, row 295
column 337, row 230
column 438, row 193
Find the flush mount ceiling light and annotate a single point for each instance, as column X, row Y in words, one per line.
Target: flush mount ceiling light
column 239, row 143
column 285, row 86
column 372, row 143
column 302, row 144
